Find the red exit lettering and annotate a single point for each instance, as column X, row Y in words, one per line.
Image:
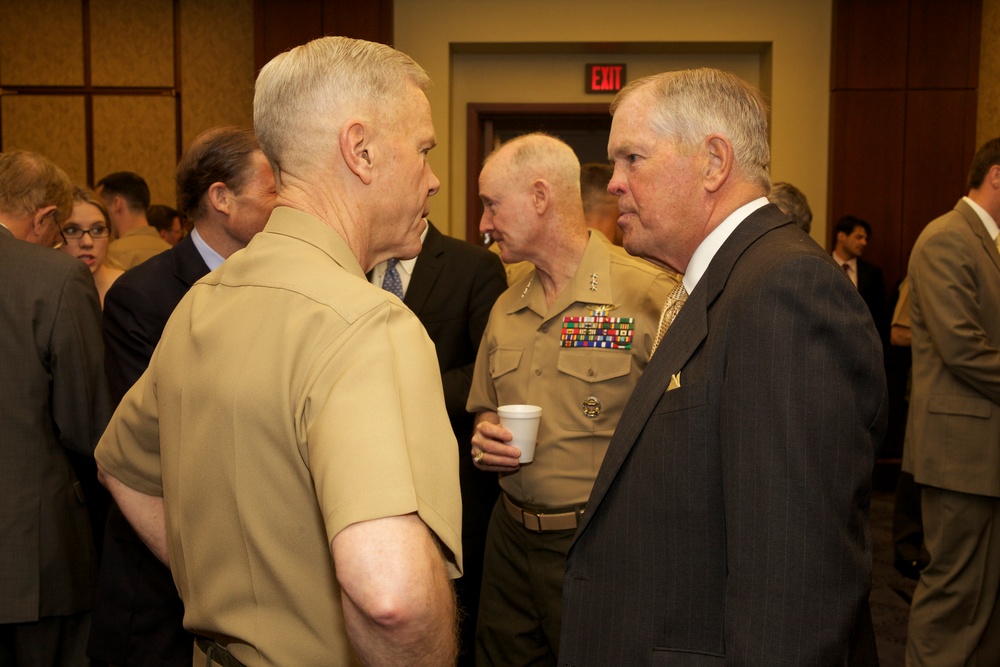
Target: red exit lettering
column 606, row 78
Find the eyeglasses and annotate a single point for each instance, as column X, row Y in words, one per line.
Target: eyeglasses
column 96, row 232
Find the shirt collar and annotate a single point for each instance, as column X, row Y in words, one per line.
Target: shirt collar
column 212, row 259
column 591, row 283
column 988, row 221
column 704, row 253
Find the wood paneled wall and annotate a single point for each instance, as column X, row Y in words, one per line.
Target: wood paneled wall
column 113, row 85
column 904, row 82
column 903, row 117
column 282, row 24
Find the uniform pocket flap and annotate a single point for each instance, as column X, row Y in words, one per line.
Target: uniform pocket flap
column 504, row 360
column 594, row 365
column 960, row 405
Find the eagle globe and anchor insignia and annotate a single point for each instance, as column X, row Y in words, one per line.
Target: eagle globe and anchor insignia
column 591, row 407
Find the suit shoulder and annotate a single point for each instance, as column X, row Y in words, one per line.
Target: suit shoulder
column 469, row 251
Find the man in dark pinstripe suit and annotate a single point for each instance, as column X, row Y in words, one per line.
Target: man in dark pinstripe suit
column 729, row 521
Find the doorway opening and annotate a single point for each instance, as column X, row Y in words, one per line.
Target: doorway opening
column 585, row 127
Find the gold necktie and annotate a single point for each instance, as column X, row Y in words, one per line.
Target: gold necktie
column 671, row 307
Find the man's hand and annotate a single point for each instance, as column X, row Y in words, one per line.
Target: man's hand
column 489, row 449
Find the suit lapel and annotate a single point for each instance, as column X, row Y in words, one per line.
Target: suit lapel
column 188, row 264
column 979, row 229
column 425, row 271
column 681, row 341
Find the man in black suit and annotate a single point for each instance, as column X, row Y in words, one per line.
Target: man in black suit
column 451, row 287
column 729, row 521
column 53, row 404
column 850, row 241
column 226, row 187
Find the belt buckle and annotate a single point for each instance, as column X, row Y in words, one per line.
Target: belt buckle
column 538, row 519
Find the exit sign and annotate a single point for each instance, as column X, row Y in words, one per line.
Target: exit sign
column 605, row 78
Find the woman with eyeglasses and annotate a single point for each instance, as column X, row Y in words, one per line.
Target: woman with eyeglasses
column 86, row 235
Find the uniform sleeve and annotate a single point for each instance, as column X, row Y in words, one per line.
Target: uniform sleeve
column 946, row 288
column 482, row 393
column 130, row 447
column 80, row 401
column 379, row 440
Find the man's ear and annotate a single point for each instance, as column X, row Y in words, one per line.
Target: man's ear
column 220, row 197
column 355, row 144
column 720, row 162
column 993, row 176
column 541, row 195
column 38, row 220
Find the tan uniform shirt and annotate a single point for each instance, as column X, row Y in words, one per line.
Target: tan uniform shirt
column 287, row 399
column 135, row 247
column 582, row 390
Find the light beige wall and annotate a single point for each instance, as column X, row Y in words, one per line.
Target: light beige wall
column 796, row 76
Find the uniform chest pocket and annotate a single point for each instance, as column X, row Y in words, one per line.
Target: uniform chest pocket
column 503, row 362
column 594, row 386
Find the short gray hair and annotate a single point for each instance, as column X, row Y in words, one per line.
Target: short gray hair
column 542, row 155
column 691, row 104
column 303, row 95
column 793, row 203
column 29, row 182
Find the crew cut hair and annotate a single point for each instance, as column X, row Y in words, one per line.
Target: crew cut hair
column 303, row 96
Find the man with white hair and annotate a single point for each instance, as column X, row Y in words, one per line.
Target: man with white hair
column 288, row 450
column 729, row 521
column 573, row 336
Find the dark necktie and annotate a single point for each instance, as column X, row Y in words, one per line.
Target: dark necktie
column 391, row 281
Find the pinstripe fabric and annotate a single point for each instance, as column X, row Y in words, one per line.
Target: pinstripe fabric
column 729, row 522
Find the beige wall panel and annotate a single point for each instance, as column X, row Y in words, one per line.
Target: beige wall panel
column 47, row 124
column 988, row 116
column 136, row 133
column 547, row 77
column 41, row 43
column 799, row 68
column 217, row 72
column 132, row 43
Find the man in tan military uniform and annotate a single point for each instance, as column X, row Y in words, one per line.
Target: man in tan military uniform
column 547, row 344
column 288, row 451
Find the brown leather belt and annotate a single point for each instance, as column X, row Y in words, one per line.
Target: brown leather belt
column 216, row 654
column 540, row 522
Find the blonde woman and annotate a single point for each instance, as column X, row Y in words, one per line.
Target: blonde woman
column 86, row 235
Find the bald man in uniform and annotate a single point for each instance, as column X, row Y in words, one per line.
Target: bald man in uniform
column 537, row 350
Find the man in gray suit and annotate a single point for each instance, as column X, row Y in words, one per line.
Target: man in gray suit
column 953, row 434
column 729, row 521
column 53, row 402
